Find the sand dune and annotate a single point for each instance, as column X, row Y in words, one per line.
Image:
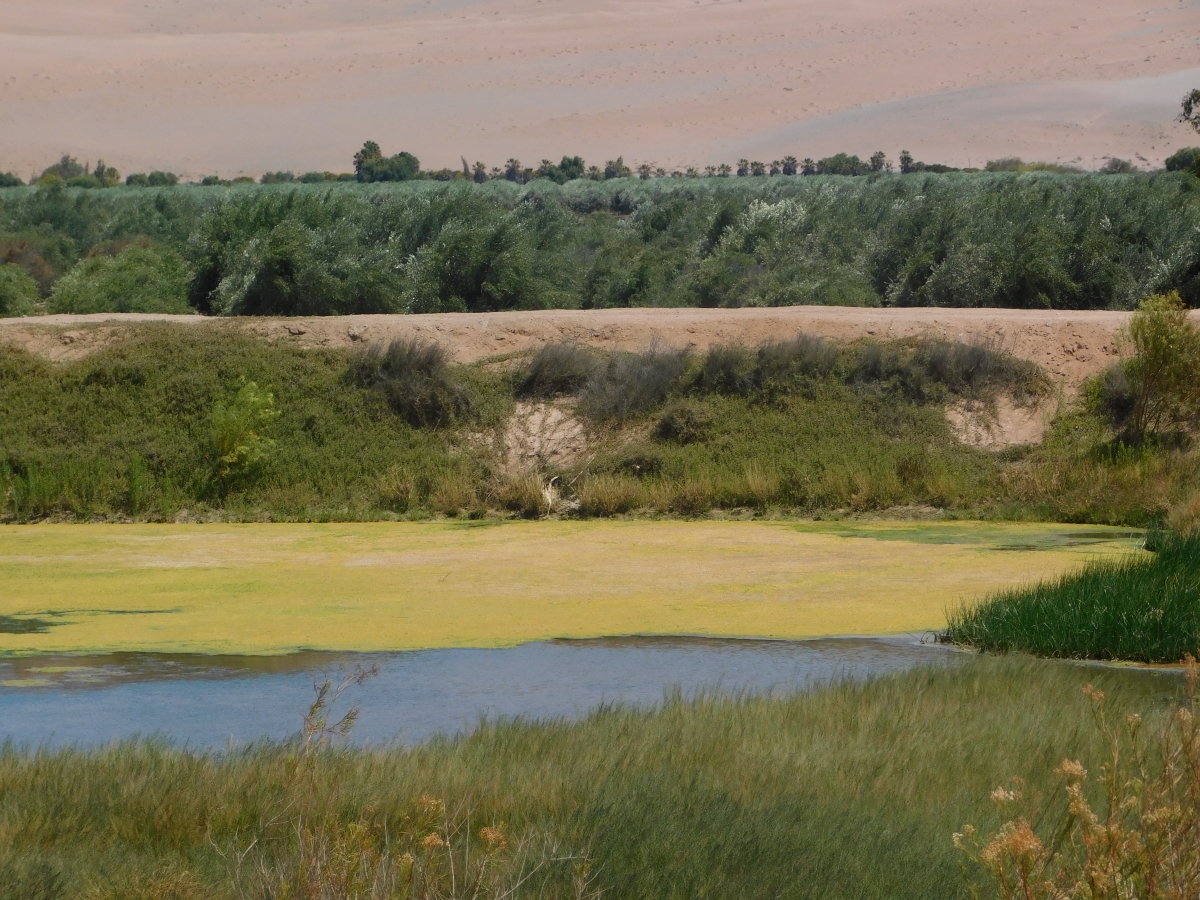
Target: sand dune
column 244, row 86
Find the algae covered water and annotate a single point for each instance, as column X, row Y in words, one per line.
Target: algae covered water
column 211, row 701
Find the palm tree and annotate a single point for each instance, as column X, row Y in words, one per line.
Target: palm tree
column 644, row 171
column 724, row 169
column 512, row 170
column 757, row 168
column 595, row 173
column 691, row 172
column 790, row 166
column 808, row 167
column 743, row 167
column 481, row 174
column 776, row 165
column 660, row 172
column 710, row 171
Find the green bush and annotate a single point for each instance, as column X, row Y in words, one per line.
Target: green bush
column 1154, row 391
column 557, row 369
column 631, row 384
column 239, row 448
column 414, row 376
column 137, row 279
column 19, row 294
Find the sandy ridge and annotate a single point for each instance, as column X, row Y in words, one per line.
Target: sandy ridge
column 1072, row 346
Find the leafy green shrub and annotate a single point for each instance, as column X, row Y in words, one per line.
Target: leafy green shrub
column 557, row 369
column 414, row 376
column 1140, row 610
column 8, row 179
column 138, row 279
column 239, row 448
column 291, row 253
column 684, row 423
column 631, row 384
column 19, row 294
column 727, row 369
column 1164, row 391
column 805, row 355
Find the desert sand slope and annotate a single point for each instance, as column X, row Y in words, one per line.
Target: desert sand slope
column 1072, row 346
column 241, row 86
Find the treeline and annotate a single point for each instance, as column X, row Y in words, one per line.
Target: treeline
column 1031, row 240
column 371, row 166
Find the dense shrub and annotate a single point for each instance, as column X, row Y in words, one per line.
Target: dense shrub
column 415, row 378
column 631, row 384
column 18, row 292
column 557, row 369
column 137, row 279
column 1014, row 239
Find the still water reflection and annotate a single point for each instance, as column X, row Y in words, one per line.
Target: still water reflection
column 209, row 701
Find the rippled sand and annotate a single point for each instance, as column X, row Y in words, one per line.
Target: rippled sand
column 235, row 86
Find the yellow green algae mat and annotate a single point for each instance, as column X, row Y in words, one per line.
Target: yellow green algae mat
column 264, row 589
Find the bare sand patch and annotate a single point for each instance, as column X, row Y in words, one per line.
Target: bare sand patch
column 995, row 426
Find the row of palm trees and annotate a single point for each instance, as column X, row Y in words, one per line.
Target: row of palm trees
column 513, row 170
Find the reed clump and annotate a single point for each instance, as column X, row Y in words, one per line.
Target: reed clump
column 1144, row 610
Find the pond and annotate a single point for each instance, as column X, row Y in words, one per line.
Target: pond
column 210, row 701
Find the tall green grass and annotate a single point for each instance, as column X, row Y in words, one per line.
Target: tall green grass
column 850, row 790
column 1037, row 240
column 1141, row 610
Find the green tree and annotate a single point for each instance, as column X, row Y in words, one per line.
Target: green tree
column 616, row 168
column 1190, row 109
column 106, row 175
column 1183, row 159
column 842, row 164
column 1118, row 166
column 906, row 162
column 8, row 179
column 66, row 168
column 369, row 154
column 1164, row 388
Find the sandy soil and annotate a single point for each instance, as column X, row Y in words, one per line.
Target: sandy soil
column 239, row 86
column 1072, row 346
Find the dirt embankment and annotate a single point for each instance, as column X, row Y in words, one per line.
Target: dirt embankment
column 1071, row 346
